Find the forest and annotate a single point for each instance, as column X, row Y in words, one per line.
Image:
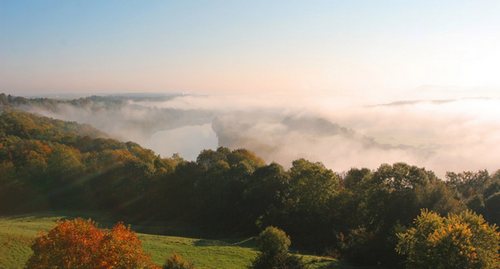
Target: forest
column 354, row 215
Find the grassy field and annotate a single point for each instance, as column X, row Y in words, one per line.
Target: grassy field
column 17, row 233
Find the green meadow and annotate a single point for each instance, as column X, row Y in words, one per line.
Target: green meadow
column 18, row 232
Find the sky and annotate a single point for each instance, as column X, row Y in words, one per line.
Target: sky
column 356, row 47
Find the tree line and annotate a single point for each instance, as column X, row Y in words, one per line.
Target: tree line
column 47, row 164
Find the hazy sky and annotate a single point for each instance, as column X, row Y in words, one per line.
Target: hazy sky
column 334, row 47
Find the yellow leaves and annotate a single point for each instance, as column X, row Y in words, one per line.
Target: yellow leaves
column 456, row 241
column 455, row 235
column 455, row 230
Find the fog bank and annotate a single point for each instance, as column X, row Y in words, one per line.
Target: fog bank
column 452, row 134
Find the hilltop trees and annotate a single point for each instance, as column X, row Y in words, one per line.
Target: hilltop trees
column 47, row 164
column 264, row 193
column 79, row 244
column 479, row 190
column 462, row 240
column 64, row 165
column 305, row 203
column 382, row 201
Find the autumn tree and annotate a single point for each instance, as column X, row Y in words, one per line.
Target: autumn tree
column 79, row 244
column 462, row 240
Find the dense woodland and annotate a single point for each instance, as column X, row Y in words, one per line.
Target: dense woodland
column 48, row 164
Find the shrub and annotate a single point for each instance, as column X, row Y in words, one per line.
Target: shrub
column 462, row 240
column 273, row 244
column 279, row 261
column 273, row 241
column 79, row 244
column 177, row 262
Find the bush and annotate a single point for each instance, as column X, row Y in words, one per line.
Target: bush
column 279, row 261
column 273, row 244
column 177, row 262
column 79, row 244
column 457, row 241
column 273, row 241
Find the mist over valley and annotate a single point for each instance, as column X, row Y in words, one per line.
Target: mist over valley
column 439, row 134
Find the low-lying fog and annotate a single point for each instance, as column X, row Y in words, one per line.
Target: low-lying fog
column 453, row 133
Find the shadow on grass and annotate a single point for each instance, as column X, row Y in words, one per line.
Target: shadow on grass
column 102, row 220
column 209, row 243
column 108, row 220
column 58, row 214
column 245, row 243
column 325, row 263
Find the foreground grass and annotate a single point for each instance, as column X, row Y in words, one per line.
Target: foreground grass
column 18, row 232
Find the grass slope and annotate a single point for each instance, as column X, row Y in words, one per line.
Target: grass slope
column 17, row 233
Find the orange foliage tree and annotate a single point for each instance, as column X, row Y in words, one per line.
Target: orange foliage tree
column 79, row 244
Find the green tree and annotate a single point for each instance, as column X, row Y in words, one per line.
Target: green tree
column 264, row 190
column 307, row 199
column 479, row 190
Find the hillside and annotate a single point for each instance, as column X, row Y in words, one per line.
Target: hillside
column 52, row 165
column 16, row 234
column 62, row 165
